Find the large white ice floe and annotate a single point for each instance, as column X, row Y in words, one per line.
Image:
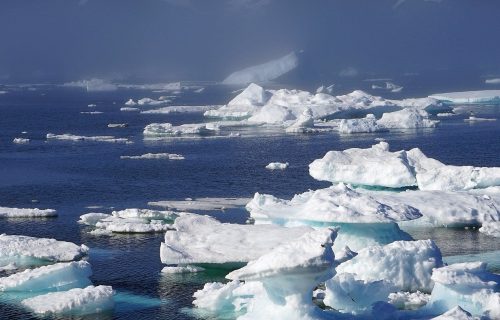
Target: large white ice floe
column 23, row 250
column 6, row 212
column 289, row 273
column 377, row 166
column 264, row 72
column 469, row 97
column 130, row 221
column 168, row 130
column 72, row 137
column 59, row 276
column 468, row 285
column 491, row 228
column 444, row 208
column 204, row 240
column 167, row 156
column 76, row 301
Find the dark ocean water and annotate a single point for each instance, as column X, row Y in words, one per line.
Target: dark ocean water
column 70, row 176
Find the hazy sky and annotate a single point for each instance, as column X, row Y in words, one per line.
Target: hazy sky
column 60, row 40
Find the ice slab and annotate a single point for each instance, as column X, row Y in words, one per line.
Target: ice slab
column 89, row 300
column 277, row 166
column 264, row 72
column 469, row 97
column 15, row 248
column 167, row 156
column 181, row 109
column 26, row 213
column 204, row 240
column 168, row 130
column 72, row 137
column 55, row 277
column 201, row 204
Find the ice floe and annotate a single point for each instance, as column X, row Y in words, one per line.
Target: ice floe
column 204, row 240
column 26, row 213
column 76, row 301
column 23, row 249
column 182, row 269
column 264, row 72
column 492, row 81
column 167, row 156
column 201, row 204
column 21, row 140
column 130, row 109
column 277, row 166
column 181, row 109
column 469, row 97
column 477, row 119
column 117, row 125
column 491, row 228
column 72, row 137
column 168, row 130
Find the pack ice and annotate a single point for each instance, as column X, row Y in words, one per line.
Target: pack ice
column 26, row 213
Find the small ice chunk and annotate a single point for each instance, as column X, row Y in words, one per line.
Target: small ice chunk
column 168, row 130
column 92, row 105
column 408, row 300
column 92, row 218
column 76, row 301
column 130, row 109
column 21, row 140
column 117, row 125
column 456, row 313
column 26, row 213
column 182, row 269
column 491, row 228
column 167, row 156
column 277, row 166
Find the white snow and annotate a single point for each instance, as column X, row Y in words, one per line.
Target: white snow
column 491, row 228
column 277, row 166
column 202, row 239
column 72, row 137
column 407, row 265
column 13, row 248
column 76, row 301
column 264, row 72
column 466, row 97
column 167, row 156
column 21, row 140
column 57, row 276
column 26, row 213
column 168, row 130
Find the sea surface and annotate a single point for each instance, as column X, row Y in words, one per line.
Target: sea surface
column 73, row 176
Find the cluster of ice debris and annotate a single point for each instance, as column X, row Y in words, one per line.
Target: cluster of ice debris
column 47, row 277
column 338, row 252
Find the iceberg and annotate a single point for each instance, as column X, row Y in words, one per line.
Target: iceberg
column 181, row 109
column 361, row 125
column 469, row 97
column 264, row 72
column 55, row 277
column 377, row 166
column 406, row 265
column 167, row 156
column 26, row 213
column 76, row 301
column 289, row 273
column 277, row 166
column 168, row 130
column 407, row 118
column 23, row 250
column 468, row 285
column 130, row 103
column 204, row 240
column 72, row 137
column 303, row 124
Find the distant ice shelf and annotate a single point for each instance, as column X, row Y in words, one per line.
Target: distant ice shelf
column 469, row 97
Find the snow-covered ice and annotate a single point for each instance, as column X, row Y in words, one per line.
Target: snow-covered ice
column 264, row 72
column 491, row 228
column 167, row 156
column 21, row 140
column 181, row 109
column 204, row 240
column 408, row 300
column 469, row 97
column 117, row 125
column 407, row 118
column 168, row 130
column 72, row 137
column 26, row 213
column 181, row 269
column 202, row 204
column 277, row 166
column 55, row 277
column 89, row 300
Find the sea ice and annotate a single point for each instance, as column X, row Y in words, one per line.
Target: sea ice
column 72, row 137
column 168, row 130
column 277, row 166
column 456, row 313
column 130, row 109
column 21, row 140
column 26, row 213
column 264, row 72
column 55, row 277
column 409, row 300
column 204, row 240
column 181, row 109
column 117, row 125
column 92, row 85
column 167, row 156
column 469, row 97
column 491, row 228
column 201, row 204
column 76, row 301
column 182, row 269
column 407, row 118
column 361, row 125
